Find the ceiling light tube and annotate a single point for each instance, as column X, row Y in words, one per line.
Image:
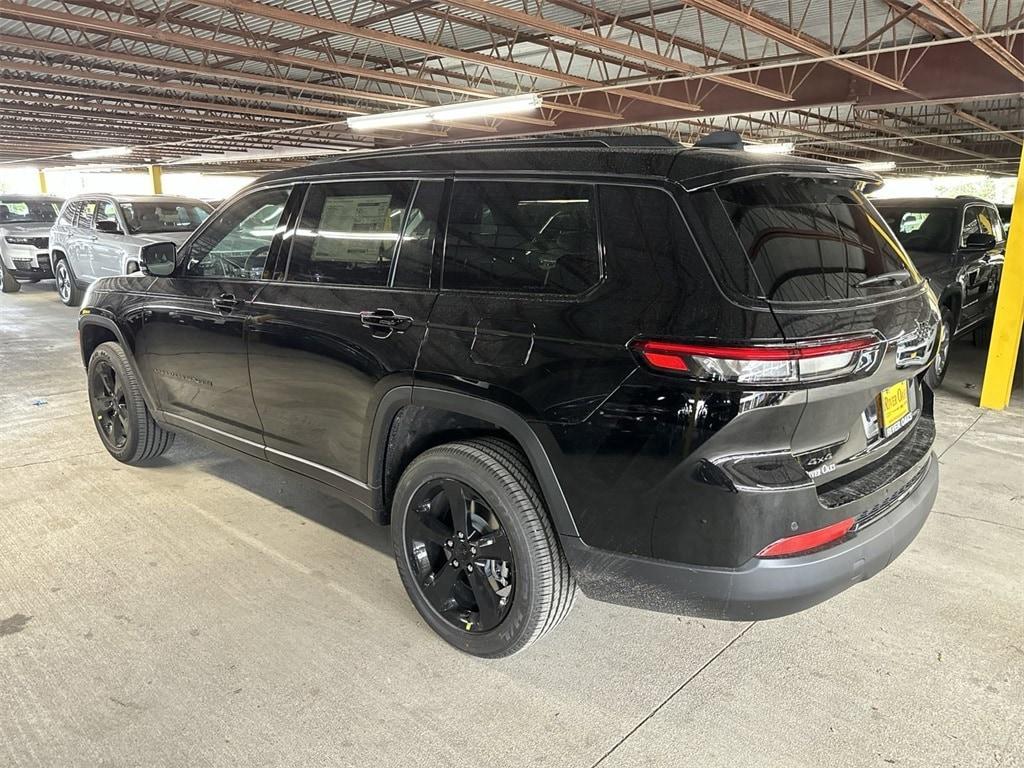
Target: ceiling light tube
column 878, row 167
column 781, row 148
column 447, row 112
column 90, row 154
column 487, row 108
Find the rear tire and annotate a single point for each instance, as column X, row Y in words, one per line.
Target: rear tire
column 67, row 289
column 937, row 371
column 8, row 282
column 123, row 421
column 499, row 486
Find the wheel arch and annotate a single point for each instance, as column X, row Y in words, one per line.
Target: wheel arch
column 410, row 420
column 93, row 330
column 952, row 297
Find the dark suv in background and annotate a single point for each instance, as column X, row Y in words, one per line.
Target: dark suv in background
column 957, row 244
column 685, row 379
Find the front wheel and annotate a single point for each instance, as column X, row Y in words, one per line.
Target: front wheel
column 119, row 411
column 67, row 288
column 940, row 364
column 476, row 550
column 8, row 282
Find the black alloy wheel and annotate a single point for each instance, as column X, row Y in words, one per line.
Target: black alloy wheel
column 476, row 549
column 460, row 555
column 109, row 407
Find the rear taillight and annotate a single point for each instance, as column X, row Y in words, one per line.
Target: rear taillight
column 805, row 361
column 805, row 542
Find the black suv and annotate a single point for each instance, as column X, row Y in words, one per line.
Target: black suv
column 957, row 244
column 684, row 379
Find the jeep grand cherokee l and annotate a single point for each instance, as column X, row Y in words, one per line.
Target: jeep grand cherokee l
column 25, row 222
column 957, row 244
column 101, row 235
column 684, row 379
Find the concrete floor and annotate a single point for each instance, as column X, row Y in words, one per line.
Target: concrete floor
column 214, row 611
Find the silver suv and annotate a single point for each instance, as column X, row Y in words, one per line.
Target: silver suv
column 25, row 222
column 101, row 235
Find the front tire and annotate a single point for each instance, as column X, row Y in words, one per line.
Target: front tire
column 937, row 371
column 476, row 550
column 8, row 282
column 67, row 289
column 123, row 421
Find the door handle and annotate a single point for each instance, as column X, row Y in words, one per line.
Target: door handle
column 226, row 302
column 384, row 322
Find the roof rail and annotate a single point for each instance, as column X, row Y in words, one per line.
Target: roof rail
column 569, row 142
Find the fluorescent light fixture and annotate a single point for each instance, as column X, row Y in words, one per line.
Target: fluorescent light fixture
column 879, row 167
column 447, row 112
column 91, row 154
column 782, row 148
column 486, row 108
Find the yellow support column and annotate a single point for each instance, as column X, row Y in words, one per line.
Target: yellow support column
column 156, row 177
column 1006, row 328
column 42, row 181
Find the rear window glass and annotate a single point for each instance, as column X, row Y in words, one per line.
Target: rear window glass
column 812, row 239
column 522, row 236
column 923, row 229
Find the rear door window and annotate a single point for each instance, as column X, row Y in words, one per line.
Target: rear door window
column 535, row 237
column 812, row 240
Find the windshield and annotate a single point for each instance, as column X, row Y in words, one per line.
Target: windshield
column 814, row 239
column 922, row 228
column 28, row 211
column 163, row 216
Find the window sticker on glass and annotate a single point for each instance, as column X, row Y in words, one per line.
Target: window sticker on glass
column 363, row 224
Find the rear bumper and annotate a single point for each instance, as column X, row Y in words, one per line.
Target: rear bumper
column 760, row 589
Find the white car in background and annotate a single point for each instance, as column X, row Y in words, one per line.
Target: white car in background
column 101, row 235
column 25, row 222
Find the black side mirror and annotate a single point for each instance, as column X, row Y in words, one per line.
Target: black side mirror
column 108, row 227
column 158, row 259
column 981, row 240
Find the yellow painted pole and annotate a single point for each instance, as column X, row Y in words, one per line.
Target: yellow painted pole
column 1009, row 319
column 42, row 181
column 156, row 177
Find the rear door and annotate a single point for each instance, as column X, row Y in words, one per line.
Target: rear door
column 344, row 323
column 108, row 250
column 191, row 346
column 81, row 237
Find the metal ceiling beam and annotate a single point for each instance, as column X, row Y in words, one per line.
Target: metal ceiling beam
column 967, row 117
column 766, row 26
column 959, row 22
column 489, row 9
column 30, row 44
column 196, row 90
column 163, row 37
column 335, row 27
column 881, row 127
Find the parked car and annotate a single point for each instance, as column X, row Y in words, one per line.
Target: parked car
column 958, row 245
column 101, row 235
column 25, row 222
column 684, row 379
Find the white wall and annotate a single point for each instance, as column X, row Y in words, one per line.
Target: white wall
column 206, row 186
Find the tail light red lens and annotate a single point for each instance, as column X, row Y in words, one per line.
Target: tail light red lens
column 805, row 361
column 805, row 542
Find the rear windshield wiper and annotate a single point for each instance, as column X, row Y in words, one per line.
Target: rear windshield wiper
column 897, row 276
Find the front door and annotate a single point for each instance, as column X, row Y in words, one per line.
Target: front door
column 979, row 265
column 345, row 323
column 191, row 347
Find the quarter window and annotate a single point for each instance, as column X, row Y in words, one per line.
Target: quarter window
column 349, row 232
column 238, row 241
column 522, row 236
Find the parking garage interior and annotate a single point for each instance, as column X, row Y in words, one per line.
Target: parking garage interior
column 210, row 611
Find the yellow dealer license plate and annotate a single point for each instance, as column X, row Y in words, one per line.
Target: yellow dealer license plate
column 895, row 407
